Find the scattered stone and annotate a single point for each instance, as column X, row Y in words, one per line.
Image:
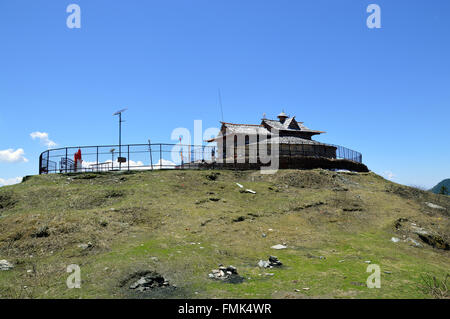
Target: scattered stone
column 296, row 290
column 306, row 288
column 264, row 235
column 398, row 222
column 388, row 272
column 250, row 191
column 239, row 185
column 415, row 242
column 149, row 281
column 431, row 205
column 279, row 246
column 312, row 256
column 367, row 261
column 5, row 265
column 85, row 246
column 341, row 261
column 272, row 262
column 419, row 230
column 395, row 239
column 41, row 232
column 228, row 274
column 269, row 274
column 154, row 258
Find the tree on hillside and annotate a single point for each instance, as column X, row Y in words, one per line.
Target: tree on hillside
column 443, row 190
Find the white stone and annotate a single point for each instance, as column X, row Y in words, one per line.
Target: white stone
column 395, row 239
column 5, row 265
column 279, row 246
column 431, row 205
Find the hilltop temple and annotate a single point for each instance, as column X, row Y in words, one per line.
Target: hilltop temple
column 245, row 145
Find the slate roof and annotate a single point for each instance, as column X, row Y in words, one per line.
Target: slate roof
column 245, row 128
column 292, row 140
column 289, row 125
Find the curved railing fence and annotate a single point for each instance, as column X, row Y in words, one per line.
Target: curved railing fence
column 101, row 158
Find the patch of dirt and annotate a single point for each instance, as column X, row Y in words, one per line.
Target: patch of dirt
column 7, row 200
column 41, row 232
column 85, row 176
column 348, row 204
column 212, row 176
column 89, row 201
column 114, row 193
column 435, row 241
column 309, row 179
column 406, row 192
column 310, row 205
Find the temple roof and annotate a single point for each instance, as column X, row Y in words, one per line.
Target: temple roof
column 288, row 125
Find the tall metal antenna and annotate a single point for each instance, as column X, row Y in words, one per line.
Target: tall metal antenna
column 120, row 159
column 220, row 104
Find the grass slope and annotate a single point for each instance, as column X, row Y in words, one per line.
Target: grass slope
column 193, row 220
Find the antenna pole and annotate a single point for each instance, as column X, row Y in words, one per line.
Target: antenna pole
column 120, row 159
column 220, row 104
column 120, row 139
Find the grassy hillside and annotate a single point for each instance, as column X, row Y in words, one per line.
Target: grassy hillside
column 437, row 189
column 182, row 224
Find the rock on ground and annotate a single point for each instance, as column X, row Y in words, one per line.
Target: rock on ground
column 229, row 274
column 431, row 205
column 149, row 281
column 279, row 246
column 5, row 265
column 272, row 262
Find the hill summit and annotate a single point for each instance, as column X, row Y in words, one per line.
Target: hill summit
column 217, row 233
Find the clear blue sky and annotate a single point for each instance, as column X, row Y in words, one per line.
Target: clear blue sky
column 384, row 92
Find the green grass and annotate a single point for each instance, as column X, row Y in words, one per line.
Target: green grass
column 131, row 217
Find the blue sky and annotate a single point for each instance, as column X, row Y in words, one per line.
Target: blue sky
column 384, row 92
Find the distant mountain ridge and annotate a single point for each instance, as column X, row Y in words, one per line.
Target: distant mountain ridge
column 437, row 189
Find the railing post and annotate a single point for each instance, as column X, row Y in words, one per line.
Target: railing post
column 128, row 156
column 40, row 164
column 160, row 156
column 66, row 160
column 97, row 161
column 48, row 156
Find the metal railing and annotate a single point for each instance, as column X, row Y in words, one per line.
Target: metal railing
column 101, row 158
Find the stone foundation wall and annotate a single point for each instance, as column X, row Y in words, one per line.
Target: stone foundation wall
column 295, row 162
